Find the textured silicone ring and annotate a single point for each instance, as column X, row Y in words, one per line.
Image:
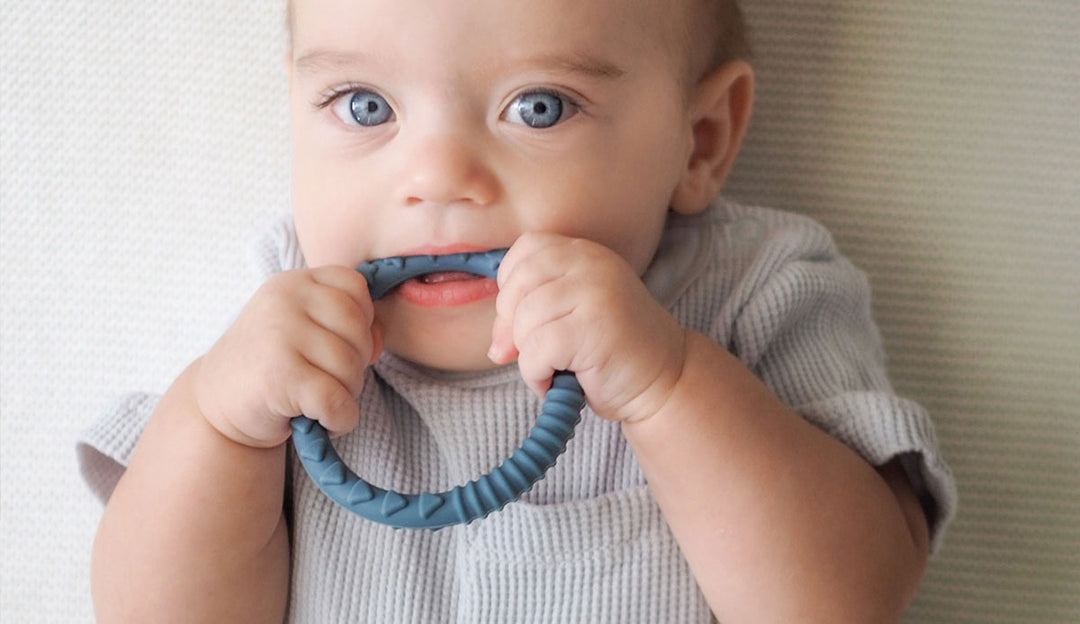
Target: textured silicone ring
column 505, row 483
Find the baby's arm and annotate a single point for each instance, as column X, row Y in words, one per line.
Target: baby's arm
column 779, row 521
column 195, row 530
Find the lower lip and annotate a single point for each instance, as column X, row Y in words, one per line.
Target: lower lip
column 449, row 293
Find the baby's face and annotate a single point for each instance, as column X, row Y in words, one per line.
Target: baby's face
column 455, row 125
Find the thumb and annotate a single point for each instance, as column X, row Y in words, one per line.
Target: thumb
column 502, row 350
column 376, row 341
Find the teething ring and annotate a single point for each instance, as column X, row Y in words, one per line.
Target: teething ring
column 505, row 483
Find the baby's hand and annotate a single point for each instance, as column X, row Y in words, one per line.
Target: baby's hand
column 572, row 304
column 301, row 345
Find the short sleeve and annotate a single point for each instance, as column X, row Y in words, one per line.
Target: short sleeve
column 276, row 248
column 104, row 449
column 804, row 326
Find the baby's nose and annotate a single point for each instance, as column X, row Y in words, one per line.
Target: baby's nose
column 447, row 168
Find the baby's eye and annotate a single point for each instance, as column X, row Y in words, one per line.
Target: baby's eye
column 540, row 109
column 363, row 107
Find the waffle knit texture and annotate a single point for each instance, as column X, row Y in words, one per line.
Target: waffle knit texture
column 141, row 143
column 588, row 542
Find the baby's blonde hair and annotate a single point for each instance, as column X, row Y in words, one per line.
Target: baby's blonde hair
column 722, row 31
column 714, row 29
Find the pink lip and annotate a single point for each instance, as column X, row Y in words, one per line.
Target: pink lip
column 446, row 294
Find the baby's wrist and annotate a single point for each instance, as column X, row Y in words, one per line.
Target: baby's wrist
column 662, row 388
column 712, row 380
column 201, row 393
column 199, row 399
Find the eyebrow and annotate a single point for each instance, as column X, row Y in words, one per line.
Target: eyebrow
column 579, row 64
column 330, row 60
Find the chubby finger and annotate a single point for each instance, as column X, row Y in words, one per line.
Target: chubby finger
column 321, row 397
column 340, row 312
column 536, row 373
column 502, row 350
column 533, row 262
column 345, row 279
column 377, row 341
column 334, row 356
column 547, row 332
column 525, row 250
column 530, row 264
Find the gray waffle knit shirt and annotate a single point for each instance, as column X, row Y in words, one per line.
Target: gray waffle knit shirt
column 587, row 543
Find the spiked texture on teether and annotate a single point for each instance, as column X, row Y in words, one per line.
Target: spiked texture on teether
column 505, row 483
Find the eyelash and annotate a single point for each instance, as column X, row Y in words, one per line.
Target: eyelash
column 332, row 95
column 568, row 100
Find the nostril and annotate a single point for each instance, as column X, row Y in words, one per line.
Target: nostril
column 451, row 170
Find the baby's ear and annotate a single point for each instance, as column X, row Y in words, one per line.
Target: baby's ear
column 719, row 112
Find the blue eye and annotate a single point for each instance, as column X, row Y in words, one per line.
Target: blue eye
column 363, row 107
column 538, row 109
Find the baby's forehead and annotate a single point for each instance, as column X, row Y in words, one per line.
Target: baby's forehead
column 666, row 26
column 670, row 12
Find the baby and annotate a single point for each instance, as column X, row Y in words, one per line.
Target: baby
column 742, row 456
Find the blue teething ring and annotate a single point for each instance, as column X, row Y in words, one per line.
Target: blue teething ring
column 476, row 499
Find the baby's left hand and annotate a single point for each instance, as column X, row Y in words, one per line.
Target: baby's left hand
column 572, row 304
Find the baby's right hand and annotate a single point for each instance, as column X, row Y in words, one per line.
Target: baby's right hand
column 301, row 345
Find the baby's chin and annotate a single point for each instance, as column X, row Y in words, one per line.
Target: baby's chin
column 442, row 362
column 447, row 339
column 456, row 359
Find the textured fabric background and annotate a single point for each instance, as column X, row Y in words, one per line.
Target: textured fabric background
column 141, row 143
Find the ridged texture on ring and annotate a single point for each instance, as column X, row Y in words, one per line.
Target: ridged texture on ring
column 384, row 274
column 476, row 499
column 505, row 483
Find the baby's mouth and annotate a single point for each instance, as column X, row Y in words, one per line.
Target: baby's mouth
column 443, row 277
column 435, row 280
column 447, row 288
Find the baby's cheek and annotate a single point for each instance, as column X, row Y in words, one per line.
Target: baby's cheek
column 322, row 244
